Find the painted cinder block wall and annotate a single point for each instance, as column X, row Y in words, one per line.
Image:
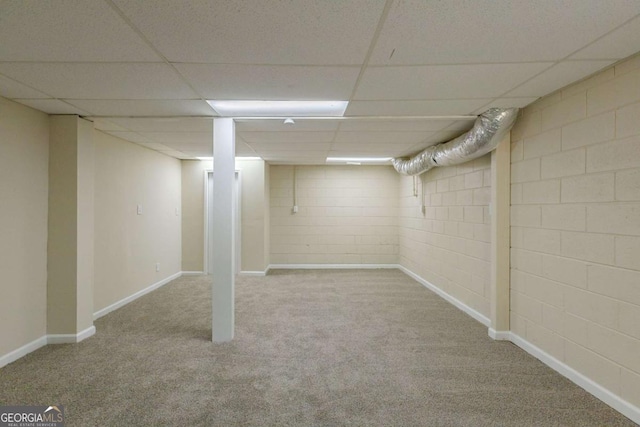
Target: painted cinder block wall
column 346, row 215
column 575, row 227
column 449, row 244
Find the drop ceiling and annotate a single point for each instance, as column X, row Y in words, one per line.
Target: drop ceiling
column 415, row 72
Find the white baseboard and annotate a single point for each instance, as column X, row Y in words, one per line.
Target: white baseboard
column 499, row 335
column 253, row 273
column 616, row 402
column 98, row 314
column 330, row 266
column 192, row 273
column 71, row 338
column 462, row 306
column 44, row 340
column 23, row 351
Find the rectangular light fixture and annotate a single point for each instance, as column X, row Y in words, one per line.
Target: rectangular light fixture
column 359, row 160
column 242, row 108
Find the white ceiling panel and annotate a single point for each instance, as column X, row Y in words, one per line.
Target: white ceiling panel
column 144, row 107
column 154, row 146
column 179, row 137
column 444, row 81
column 10, row 88
column 368, row 137
column 516, row 102
column 257, row 31
column 48, row 30
column 287, row 136
column 415, row 108
column 292, row 146
column 101, row 81
column 619, row 44
column 279, row 126
column 399, row 125
column 52, row 106
column 274, row 154
column 375, row 147
column 270, row 82
column 168, row 124
column 558, row 76
column 485, row 31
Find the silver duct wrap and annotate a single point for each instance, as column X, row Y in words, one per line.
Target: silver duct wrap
column 488, row 130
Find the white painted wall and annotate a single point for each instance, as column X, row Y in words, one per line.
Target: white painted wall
column 24, row 168
column 128, row 245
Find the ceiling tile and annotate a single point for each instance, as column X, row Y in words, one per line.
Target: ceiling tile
column 415, row 108
column 291, row 146
column 484, row 31
column 306, row 32
column 10, row 88
column 52, row 30
column 154, row 146
column 168, row 124
column 251, row 137
column 273, row 154
column 368, row 137
column 113, row 107
column 52, row 106
column 270, row 82
column 279, row 126
column 372, row 148
column 402, row 125
column 557, row 77
column 101, row 81
column 619, row 44
column 516, row 102
column 179, row 137
column 444, row 81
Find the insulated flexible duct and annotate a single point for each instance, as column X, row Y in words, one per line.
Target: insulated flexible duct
column 487, row 131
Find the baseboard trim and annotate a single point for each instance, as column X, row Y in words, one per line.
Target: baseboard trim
column 98, row 314
column 616, row 402
column 192, row 273
column 16, row 354
column 456, row 302
column 71, row 338
column 499, row 335
column 330, row 266
column 253, row 273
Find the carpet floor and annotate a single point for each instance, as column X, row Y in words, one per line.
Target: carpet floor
column 312, row 348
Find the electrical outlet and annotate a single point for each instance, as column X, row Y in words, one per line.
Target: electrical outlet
column 295, row 209
column 139, row 210
column 177, row 212
column 157, row 266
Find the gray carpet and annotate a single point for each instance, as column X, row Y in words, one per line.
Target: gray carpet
column 312, row 348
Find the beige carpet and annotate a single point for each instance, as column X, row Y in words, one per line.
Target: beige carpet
column 312, row 348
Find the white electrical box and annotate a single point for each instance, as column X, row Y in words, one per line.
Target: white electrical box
column 295, row 209
column 139, row 210
column 157, row 266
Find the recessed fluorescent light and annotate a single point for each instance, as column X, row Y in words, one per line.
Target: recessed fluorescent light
column 205, row 158
column 229, row 108
column 355, row 160
column 248, row 158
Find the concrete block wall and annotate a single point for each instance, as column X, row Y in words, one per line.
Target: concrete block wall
column 449, row 245
column 346, row 215
column 575, row 227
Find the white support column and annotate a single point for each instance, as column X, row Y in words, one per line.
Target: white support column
column 224, row 147
column 500, row 239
